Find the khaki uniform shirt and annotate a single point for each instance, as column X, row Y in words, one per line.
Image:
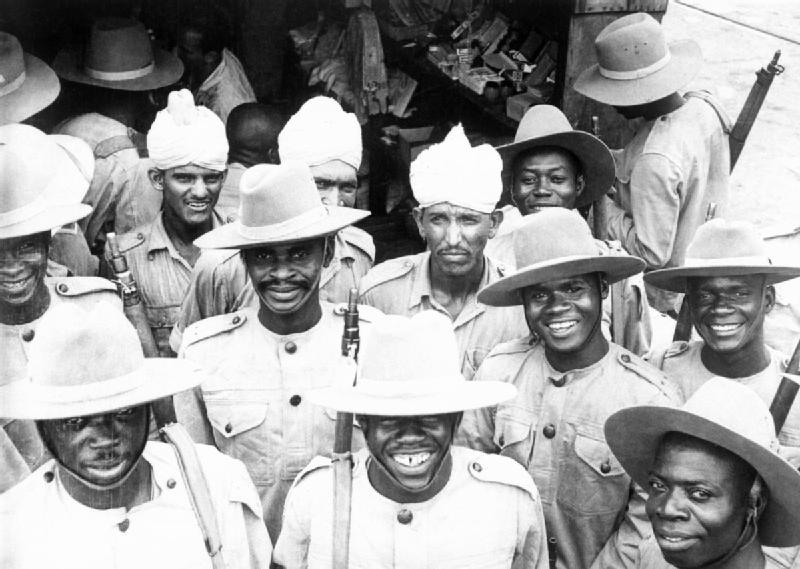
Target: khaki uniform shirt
column 162, row 275
column 488, row 515
column 782, row 323
column 20, row 446
column 403, row 286
column 219, row 282
column 633, row 314
column 43, row 526
column 667, row 175
column 554, row 428
column 253, row 405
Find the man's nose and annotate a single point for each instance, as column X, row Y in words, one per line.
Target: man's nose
column 670, row 506
column 199, row 188
column 453, row 234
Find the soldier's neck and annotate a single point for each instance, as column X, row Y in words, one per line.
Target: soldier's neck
column 183, row 235
column 387, row 485
column 592, row 351
column 301, row 320
column 448, row 289
column 748, row 360
column 16, row 314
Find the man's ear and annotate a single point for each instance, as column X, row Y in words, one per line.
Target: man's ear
column 330, row 244
column 604, row 288
column 418, row 213
column 580, row 184
column 156, row 177
column 769, row 298
column 497, row 220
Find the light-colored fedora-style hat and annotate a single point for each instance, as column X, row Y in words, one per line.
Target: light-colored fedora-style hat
column 408, row 367
column 89, row 361
column 555, row 244
column 731, row 416
column 636, row 65
column 119, row 55
column 27, row 84
column 39, row 183
column 546, row 125
column 723, row 248
column 279, row 204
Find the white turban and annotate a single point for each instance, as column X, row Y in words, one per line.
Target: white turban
column 455, row 172
column 320, row 132
column 187, row 134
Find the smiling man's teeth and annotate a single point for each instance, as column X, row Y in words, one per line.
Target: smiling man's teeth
column 724, row 327
column 16, row 285
column 411, row 460
column 561, row 326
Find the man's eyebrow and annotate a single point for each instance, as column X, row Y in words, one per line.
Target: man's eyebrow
column 546, row 168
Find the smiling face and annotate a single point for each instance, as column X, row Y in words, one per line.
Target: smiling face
column 190, row 192
column 337, row 183
column 728, row 312
column 100, row 449
column 456, row 236
column 411, row 449
column 545, row 177
column 23, row 265
column 565, row 313
column 697, row 500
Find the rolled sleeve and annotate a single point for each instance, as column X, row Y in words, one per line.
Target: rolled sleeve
column 532, row 551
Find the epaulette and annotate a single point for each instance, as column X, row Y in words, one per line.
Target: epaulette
column 387, row 271
column 366, row 313
column 79, row 286
column 317, row 463
column 209, row 327
column 516, row 346
column 502, row 470
column 360, row 239
column 128, row 241
column 644, row 370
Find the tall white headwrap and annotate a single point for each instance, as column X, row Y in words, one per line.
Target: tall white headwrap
column 455, row 172
column 320, row 132
column 187, row 134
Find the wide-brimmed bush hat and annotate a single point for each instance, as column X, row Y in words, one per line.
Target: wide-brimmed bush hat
column 729, row 415
column 27, row 84
column 555, row 243
column 546, row 126
column 635, row 64
column 407, row 367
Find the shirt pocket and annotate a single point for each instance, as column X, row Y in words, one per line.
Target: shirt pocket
column 241, row 430
column 514, row 437
column 593, row 482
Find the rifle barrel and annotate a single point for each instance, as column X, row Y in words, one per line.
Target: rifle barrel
column 786, row 393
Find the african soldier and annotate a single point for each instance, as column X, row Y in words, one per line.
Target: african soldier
column 678, row 161
column 189, row 152
column 718, row 489
column 108, row 498
column 569, row 379
column 457, row 187
column 328, row 140
column 36, row 177
column 264, row 358
column 416, row 500
column 551, row 165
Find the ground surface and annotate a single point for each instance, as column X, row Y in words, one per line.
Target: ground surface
column 766, row 181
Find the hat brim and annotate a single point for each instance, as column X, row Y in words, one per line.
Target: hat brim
column 597, row 162
column 460, row 395
column 40, row 88
column 230, row 236
column 633, row 434
column 167, row 70
column 505, row 291
column 157, row 378
column 685, row 56
column 50, row 218
column 675, row 279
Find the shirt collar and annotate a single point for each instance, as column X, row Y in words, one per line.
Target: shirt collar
column 158, row 238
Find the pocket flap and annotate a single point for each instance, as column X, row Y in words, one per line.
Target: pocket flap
column 597, row 456
column 511, row 431
column 231, row 417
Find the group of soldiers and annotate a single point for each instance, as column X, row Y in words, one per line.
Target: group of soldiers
column 511, row 409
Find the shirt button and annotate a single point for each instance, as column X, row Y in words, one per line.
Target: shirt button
column 476, row 466
column 549, row 431
column 625, row 358
column 558, row 381
column 151, row 257
column 171, row 483
column 290, row 347
column 62, row 288
column 124, row 525
column 49, row 476
column 139, row 236
column 228, row 428
column 405, row 516
column 295, row 400
column 236, row 320
column 27, row 335
column 605, row 468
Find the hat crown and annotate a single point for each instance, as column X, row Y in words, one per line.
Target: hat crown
column 718, row 239
column 118, row 45
column 12, row 61
column 542, row 120
column 552, row 234
column 399, row 349
column 78, row 347
column 631, row 43
column 737, row 408
column 271, row 195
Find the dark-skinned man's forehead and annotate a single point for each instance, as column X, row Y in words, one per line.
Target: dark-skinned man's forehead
column 12, row 242
column 289, row 246
column 556, row 156
column 719, row 282
column 592, row 279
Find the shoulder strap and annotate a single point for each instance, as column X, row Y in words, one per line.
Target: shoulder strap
column 722, row 114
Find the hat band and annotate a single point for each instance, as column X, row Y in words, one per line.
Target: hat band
column 14, row 85
column 120, row 75
column 726, row 261
column 283, row 228
column 25, row 212
column 635, row 73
